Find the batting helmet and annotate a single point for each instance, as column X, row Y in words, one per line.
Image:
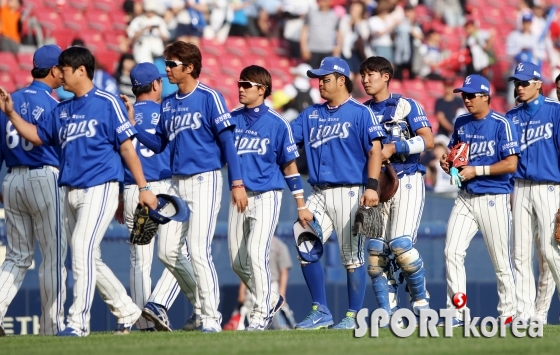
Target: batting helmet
column 170, row 208
column 309, row 241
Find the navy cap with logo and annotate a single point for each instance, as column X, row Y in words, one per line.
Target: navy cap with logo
column 526, row 71
column 144, row 74
column 475, row 84
column 46, row 57
column 330, row 65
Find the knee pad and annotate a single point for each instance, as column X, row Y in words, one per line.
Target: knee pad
column 407, row 257
column 378, row 258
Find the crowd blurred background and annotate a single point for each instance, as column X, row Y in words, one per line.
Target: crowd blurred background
column 433, row 44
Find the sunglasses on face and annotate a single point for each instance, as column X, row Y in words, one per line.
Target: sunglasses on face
column 245, row 84
column 471, row 96
column 524, row 83
column 173, row 63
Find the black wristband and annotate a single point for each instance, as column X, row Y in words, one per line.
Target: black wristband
column 372, row 184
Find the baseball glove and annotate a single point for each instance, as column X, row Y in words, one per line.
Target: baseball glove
column 458, row 155
column 557, row 231
column 388, row 183
column 144, row 228
column 368, row 222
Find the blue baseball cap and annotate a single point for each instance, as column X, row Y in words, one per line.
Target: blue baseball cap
column 170, row 208
column 46, row 57
column 330, row 65
column 309, row 240
column 474, row 84
column 527, row 17
column 526, row 71
column 144, row 74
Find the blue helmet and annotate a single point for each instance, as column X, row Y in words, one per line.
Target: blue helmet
column 170, row 208
column 309, row 241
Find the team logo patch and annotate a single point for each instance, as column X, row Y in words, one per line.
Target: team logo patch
column 550, row 188
column 491, row 203
column 351, row 194
column 314, row 114
column 257, row 197
column 200, row 178
column 408, row 186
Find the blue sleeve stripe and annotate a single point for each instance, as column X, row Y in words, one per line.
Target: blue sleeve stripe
column 117, row 109
column 502, row 119
column 288, row 127
column 418, row 106
column 371, row 114
column 216, row 97
column 49, row 95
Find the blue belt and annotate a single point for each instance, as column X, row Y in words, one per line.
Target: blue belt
column 28, row 167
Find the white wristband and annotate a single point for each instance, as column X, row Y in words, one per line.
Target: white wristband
column 301, row 208
column 482, row 170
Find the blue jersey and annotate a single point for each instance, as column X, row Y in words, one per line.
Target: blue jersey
column 491, row 140
column 538, row 127
column 33, row 104
column 337, row 141
column 156, row 167
column 405, row 129
column 264, row 146
column 190, row 125
column 90, row 130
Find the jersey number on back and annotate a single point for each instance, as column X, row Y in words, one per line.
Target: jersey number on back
column 13, row 138
column 145, row 152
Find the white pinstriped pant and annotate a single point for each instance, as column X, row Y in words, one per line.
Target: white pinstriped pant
column 249, row 237
column 203, row 194
column 491, row 215
column 335, row 209
column 88, row 215
column 172, row 253
column 534, row 214
column 32, row 203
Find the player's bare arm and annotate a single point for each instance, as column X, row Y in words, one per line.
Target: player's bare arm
column 369, row 197
column 129, row 109
column 505, row 166
column 128, row 153
column 24, row 128
column 239, row 195
column 304, row 214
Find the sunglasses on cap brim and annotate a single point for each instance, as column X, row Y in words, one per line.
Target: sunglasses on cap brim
column 524, row 83
column 470, row 96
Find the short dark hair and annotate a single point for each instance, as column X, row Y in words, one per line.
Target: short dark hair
column 40, row 73
column 144, row 89
column 188, row 53
column 258, row 75
column 75, row 57
column 347, row 82
column 557, row 79
column 377, row 64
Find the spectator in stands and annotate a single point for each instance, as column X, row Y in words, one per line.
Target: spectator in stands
column 381, row 27
column 538, row 27
column 431, row 56
column 438, row 178
column 268, row 17
column 557, row 83
column 479, row 43
column 10, row 25
column 293, row 13
column 240, row 21
column 553, row 46
column 148, row 32
column 408, row 39
column 122, row 75
column 191, row 21
column 447, row 108
column 355, row 32
column 320, row 35
column 451, row 11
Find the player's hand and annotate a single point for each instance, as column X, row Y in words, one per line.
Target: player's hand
column 467, row 173
column 119, row 215
column 147, row 198
column 304, row 216
column 369, row 198
column 387, row 151
column 444, row 163
column 239, row 198
column 6, row 102
column 129, row 108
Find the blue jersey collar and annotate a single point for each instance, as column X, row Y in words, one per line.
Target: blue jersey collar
column 41, row 86
column 87, row 94
column 187, row 94
column 254, row 113
column 533, row 106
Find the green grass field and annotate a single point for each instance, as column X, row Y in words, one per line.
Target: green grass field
column 278, row 343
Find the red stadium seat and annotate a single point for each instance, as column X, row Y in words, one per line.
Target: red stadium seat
column 94, row 40
column 114, row 40
column 99, row 20
column 25, row 60
column 22, row 78
column 107, row 5
column 119, row 20
column 108, row 59
column 211, row 46
column 8, row 62
column 7, row 82
column 63, row 37
column 74, row 19
column 236, row 46
column 51, row 21
column 78, row 4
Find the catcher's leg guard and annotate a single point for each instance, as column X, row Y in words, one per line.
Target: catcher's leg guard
column 412, row 267
column 377, row 269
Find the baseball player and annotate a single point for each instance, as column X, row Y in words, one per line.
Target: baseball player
column 147, row 87
column 483, row 202
column 342, row 140
column 197, row 127
column 32, row 199
column 408, row 133
column 536, row 196
column 267, row 153
column 93, row 134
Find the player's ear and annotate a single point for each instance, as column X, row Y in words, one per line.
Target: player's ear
column 188, row 68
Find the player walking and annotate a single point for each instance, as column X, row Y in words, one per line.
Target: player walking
column 32, row 199
column 147, row 87
column 536, row 196
column 408, row 133
column 267, row 152
column 483, row 202
column 196, row 125
column 93, row 133
column 342, row 140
